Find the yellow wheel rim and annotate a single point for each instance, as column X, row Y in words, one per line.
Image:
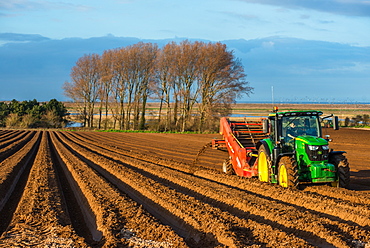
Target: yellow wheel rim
column 283, row 176
column 263, row 168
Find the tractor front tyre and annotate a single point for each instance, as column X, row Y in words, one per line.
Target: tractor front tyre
column 264, row 164
column 227, row 167
column 287, row 173
column 342, row 165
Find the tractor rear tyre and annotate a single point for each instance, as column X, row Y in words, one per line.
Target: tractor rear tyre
column 227, row 167
column 264, row 164
column 342, row 165
column 287, row 173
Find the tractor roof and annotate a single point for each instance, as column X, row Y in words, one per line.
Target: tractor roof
column 297, row 113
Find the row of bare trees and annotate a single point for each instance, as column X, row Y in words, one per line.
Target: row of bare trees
column 194, row 82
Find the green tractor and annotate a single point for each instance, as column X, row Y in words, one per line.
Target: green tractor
column 295, row 153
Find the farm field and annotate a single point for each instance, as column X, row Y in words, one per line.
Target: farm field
column 92, row 189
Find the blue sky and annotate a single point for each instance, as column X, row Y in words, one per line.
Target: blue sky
column 282, row 43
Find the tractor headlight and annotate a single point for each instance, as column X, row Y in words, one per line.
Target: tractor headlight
column 313, row 148
column 325, row 148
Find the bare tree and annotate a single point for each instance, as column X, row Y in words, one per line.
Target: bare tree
column 136, row 70
column 107, row 82
column 129, row 57
column 186, row 81
column 119, row 85
column 165, row 78
column 148, row 57
column 85, row 78
column 221, row 80
column 71, row 91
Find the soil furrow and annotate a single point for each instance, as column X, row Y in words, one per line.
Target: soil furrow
column 151, row 195
column 135, row 145
column 76, row 176
column 350, row 211
column 11, row 138
column 213, row 212
column 40, row 219
column 335, row 222
column 7, row 135
column 317, row 204
column 13, row 177
column 5, row 132
column 110, row 147
column 111, row 207
column 9, row 148
column 176, row 151
column 338, row 194
column 72, row 207
column 334, row 226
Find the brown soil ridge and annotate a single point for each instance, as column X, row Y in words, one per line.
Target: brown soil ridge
column 40, row 219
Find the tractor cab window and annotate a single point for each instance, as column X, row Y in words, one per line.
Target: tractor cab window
column 293, row 126
column 311, row 126
column 272, row 128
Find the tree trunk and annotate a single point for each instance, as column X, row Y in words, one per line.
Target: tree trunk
column 100, row 114
column 143, row 109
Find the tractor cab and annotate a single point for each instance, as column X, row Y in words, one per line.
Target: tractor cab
column 286, row 127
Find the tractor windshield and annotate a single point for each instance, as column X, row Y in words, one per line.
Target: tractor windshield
column 301, row 125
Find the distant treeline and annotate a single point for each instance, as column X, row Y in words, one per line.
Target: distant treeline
column 32, row 114
column 195, row 83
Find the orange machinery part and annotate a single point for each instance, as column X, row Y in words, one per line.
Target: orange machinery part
column 239, row 155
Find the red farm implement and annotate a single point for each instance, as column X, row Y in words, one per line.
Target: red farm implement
column 240, row 139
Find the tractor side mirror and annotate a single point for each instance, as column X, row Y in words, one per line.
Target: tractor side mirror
column 335, row 123
column 265, row 126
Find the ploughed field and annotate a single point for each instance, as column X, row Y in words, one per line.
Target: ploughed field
column 90, row 189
